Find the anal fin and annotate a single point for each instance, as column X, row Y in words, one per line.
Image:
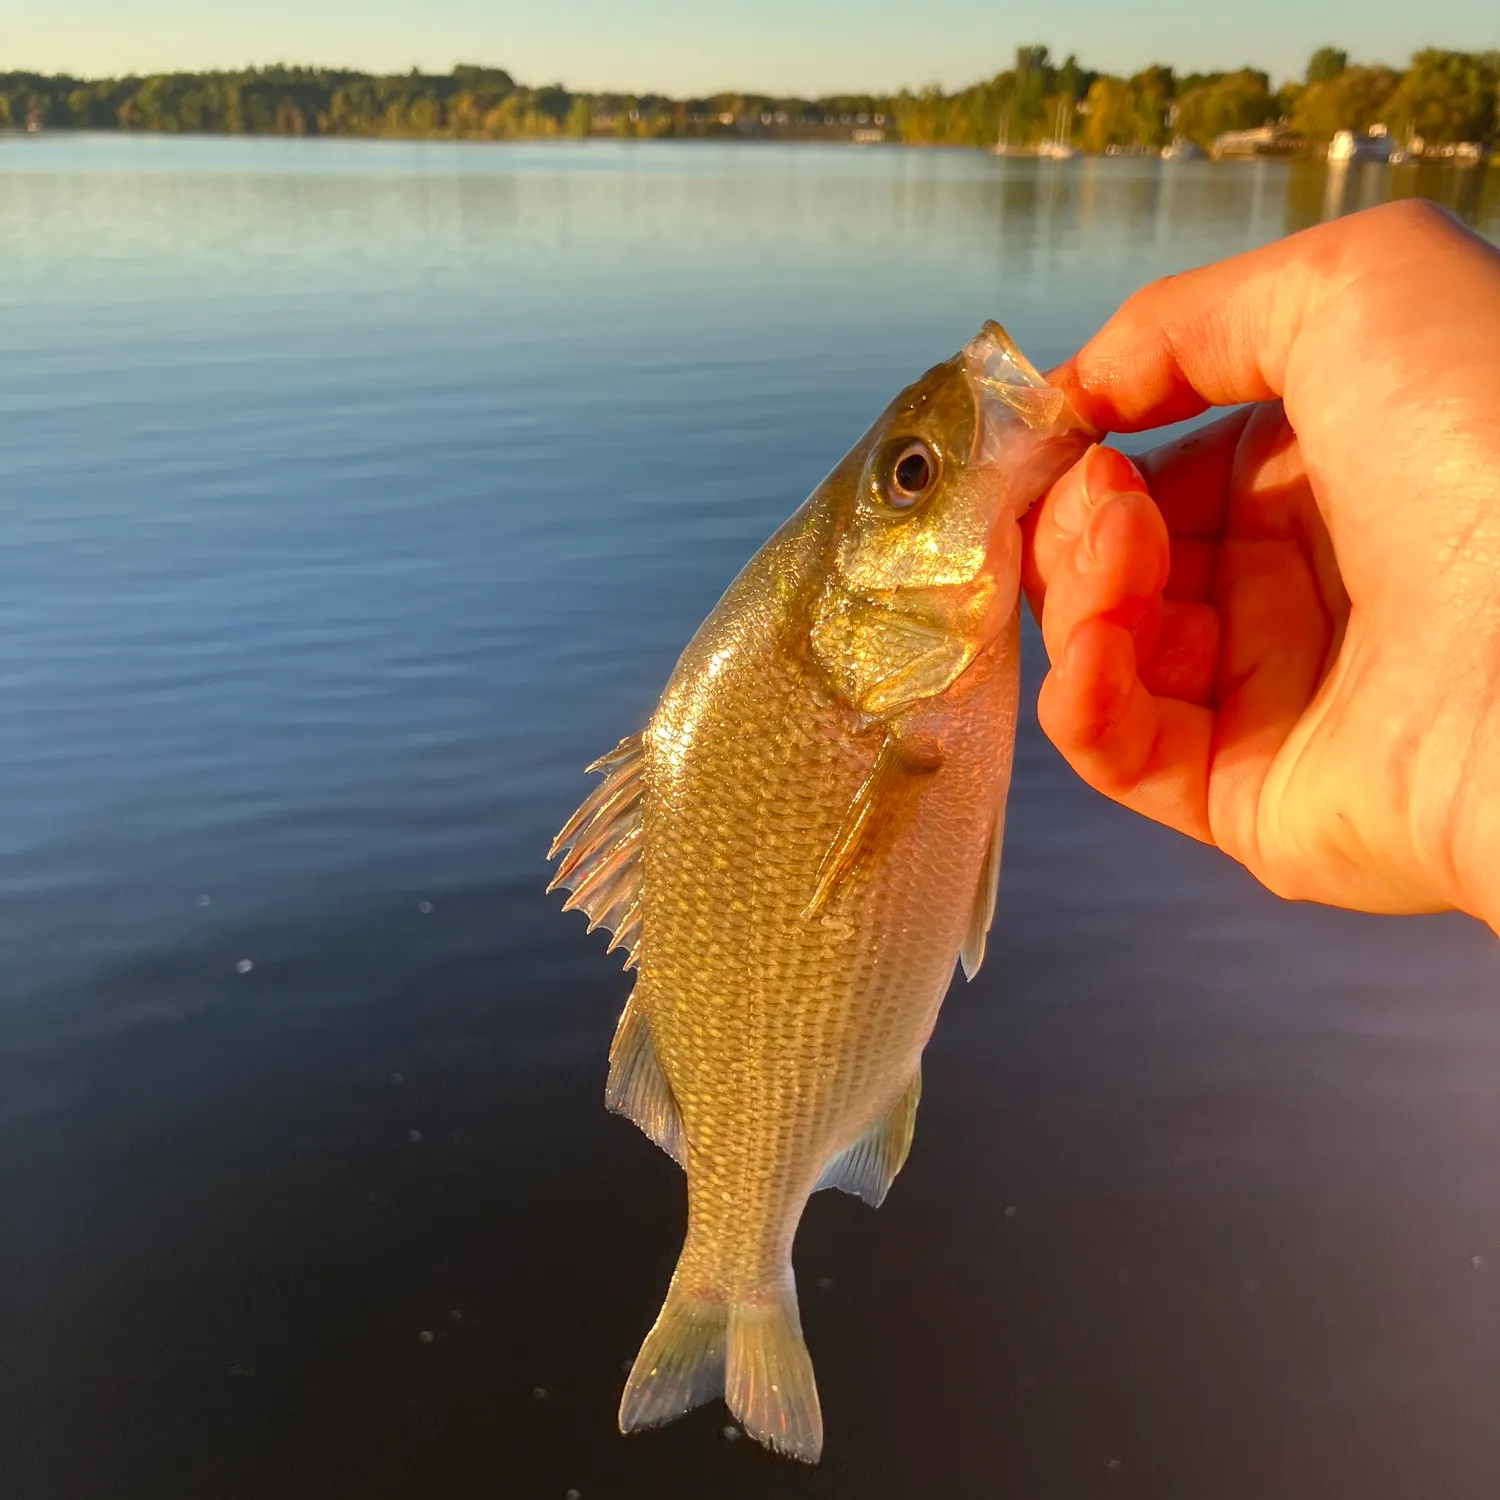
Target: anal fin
column 869, row 1166
column 637, row 1087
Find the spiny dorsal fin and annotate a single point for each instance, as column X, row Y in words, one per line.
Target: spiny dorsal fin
column 600, row 847
column 982, row 914
column 869, row 1166
column 637, row 1087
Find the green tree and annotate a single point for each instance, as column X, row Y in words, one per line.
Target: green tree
column 1446, row 96
column 1326, row 64
column 1111, row 118
column 81, row 105
column 1034, row 59
column 482, row 81
column 1356, row 99
column 1034, row 81
column 1237, row 101
column 554, row 102
column 423, row 116
column 1073, row 80
column 1154, row 89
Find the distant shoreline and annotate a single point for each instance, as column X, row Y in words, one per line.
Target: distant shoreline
column 1444, row 103
column 9, row 136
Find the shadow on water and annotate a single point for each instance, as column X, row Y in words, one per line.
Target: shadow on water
column 340, row 532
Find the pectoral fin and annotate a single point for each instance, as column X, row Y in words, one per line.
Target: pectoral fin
column 869, row 1166
column 982, row 914
column 883, row 798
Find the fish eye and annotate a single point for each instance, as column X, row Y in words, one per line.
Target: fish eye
column 911, row 475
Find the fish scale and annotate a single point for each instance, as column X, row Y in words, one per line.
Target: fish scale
column 806, row 837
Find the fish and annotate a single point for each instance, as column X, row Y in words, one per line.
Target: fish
column 799, row 849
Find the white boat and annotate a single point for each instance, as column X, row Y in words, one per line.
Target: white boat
column 1002, row 146
column 1182, row 149
column 1350, row 145
column 1059, row 148
column 1266, row 140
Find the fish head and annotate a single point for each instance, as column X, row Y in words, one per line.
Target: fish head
column 927, row 566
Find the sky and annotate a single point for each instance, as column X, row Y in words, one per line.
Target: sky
column 683, row 47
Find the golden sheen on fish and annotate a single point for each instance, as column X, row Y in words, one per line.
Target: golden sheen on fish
column 798, row 847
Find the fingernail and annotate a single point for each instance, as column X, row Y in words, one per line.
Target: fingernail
column 1101, row 472
column 1088, row 546
column 1110, row 472
column 1072, row 508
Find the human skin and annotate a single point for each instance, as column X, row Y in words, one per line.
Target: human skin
column 1281, row 633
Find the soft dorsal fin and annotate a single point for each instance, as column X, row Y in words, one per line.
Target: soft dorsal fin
column 637, row 1087
column 600, row 847
column 869, row 1166
column 982, row 913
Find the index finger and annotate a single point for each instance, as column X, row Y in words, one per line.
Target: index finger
column 1225, row 333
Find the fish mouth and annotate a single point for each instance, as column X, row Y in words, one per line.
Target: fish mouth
column 1025, row 429
column 1006, row 385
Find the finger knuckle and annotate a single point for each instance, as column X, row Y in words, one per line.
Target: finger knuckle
column 1419, row 217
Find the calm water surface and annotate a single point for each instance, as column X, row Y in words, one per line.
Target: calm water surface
column 352, row 497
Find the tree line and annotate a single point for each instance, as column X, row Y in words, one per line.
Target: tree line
column 469, row 103
column 1440, row 97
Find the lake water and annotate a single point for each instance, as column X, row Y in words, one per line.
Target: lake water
column 352, row 497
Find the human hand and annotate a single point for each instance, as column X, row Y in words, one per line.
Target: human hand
column 1282, row 634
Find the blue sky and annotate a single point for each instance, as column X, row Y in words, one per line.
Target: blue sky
column 694, row 46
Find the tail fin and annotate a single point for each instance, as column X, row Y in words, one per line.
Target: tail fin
column 681, row 1364
column 769, row 1381
column 750, row 1352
